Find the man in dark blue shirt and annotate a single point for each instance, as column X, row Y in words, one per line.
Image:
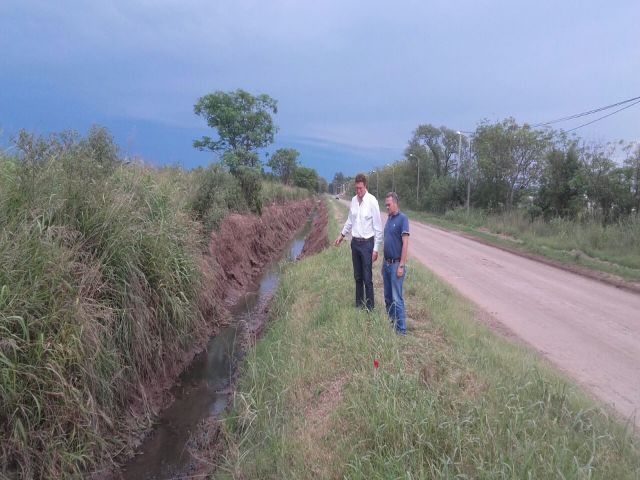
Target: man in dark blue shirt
column 396, row 245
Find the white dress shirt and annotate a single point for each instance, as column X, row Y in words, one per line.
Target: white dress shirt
column 363, row 220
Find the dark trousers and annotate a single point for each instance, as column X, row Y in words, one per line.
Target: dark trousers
column 361, row 252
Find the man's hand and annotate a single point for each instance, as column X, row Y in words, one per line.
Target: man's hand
column 374, row 256
column 339, row 240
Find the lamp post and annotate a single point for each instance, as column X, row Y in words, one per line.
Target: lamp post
column 468, row 168
column 468, row 177
column 459, row 152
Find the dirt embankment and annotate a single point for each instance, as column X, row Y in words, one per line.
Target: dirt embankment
column 246, row 243
column 317, row 239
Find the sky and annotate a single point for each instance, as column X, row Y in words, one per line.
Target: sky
column 353, row 79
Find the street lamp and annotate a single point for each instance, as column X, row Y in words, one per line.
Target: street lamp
column 468, row 168
column 459, row 150
column 468, row 177
column 418, row 182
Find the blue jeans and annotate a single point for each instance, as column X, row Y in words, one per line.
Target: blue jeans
column 362, row 272
column 393, row 300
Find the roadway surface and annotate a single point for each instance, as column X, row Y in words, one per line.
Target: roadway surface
column 588, row 329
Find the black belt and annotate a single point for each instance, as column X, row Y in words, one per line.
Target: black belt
column 391, row 260
column 361, row 240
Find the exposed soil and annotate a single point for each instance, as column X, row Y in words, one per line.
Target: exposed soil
column 317, row 239
column 246, row 243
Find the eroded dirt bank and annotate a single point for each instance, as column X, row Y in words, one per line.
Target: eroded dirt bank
column 317, row 239
column 246, row 243
column 237, row 253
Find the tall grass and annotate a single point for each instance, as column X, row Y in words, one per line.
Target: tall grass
column 450, row 400
column 99, row 284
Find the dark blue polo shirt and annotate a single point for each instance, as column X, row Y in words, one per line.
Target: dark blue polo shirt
column 396, row 226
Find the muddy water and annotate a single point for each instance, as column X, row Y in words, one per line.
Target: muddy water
column 203, row 389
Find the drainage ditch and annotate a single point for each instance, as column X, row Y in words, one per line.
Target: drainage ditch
column 204, row 388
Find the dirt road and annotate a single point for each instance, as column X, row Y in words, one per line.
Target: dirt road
column 589, row 330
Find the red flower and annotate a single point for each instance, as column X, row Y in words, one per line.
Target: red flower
column 375, row 363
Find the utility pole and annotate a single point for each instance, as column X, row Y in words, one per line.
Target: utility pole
column 469, row 177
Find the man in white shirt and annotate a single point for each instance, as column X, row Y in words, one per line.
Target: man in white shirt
column 365, row 226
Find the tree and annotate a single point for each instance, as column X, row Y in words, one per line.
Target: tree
column 509, row 159
column 243, row 123
column 304, row 177
column 336, row 183
column 632, row 162
column 323, row 186
column 561, row 189
column 441, row 144
column 604, row 181
column 101, row 147
column 284, row 162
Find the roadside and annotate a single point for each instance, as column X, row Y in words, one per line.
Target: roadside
column 450, row 399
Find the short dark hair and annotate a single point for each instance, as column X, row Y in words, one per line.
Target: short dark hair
column 361, row 177
column 393, row 195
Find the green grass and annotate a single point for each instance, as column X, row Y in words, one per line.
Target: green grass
column 451, row 399
column 613, row 249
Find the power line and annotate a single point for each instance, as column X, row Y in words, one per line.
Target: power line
column 604, row 116
column 595, row 110
column 635, row 101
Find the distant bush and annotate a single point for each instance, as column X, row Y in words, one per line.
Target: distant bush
column 279, row 193
column 474, row 217
column 216, row 192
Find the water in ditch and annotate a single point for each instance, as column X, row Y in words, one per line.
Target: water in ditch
column 202, row 391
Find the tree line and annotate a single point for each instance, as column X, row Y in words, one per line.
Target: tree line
column 504, row 165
